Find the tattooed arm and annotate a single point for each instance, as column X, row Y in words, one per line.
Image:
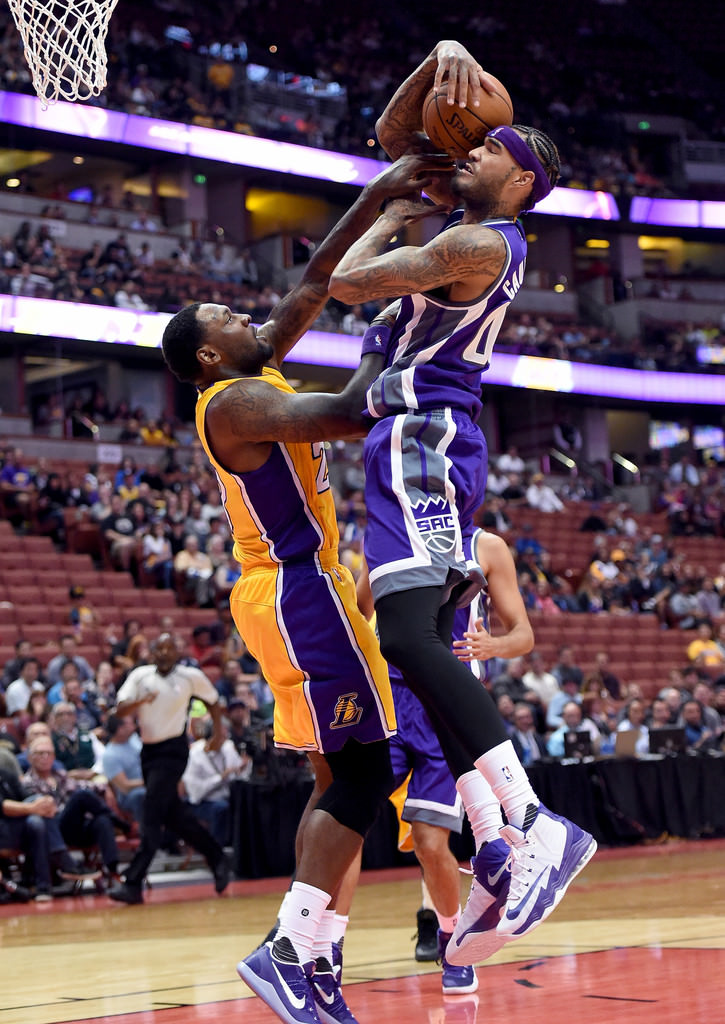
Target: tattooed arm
column 466, row 259
column 450, row 68
column 300, row 308
column 245, row 419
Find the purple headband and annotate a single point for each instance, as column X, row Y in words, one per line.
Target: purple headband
column 525, row 157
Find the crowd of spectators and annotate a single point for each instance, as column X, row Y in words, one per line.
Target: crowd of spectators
column 166, row 61
column 165, row 524
column 130, row 277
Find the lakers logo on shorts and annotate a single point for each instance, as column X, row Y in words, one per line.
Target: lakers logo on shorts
column 436, row 524
column 347, row 711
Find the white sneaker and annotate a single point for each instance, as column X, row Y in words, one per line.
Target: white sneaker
column 475, row 937
column 545, row 859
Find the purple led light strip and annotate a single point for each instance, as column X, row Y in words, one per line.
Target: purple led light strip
column 48, row 318
column 77, row 119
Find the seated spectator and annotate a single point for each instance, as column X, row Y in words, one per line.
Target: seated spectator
column 88, row 715
column 697, row 735
column 353, row 321
column 634, row 721
column 195, row 570
column 119, row 532
column 538, row 679
column 567, row 667
column 68, row 652
column 151, row 433
column 568, row 694
column 572, row 720
column 11, row 668
column 683, row 608
column 25, row 825
column 602, row 679
column 156, row 554
column 11, row 733
column 207, row 779
column 505, row 707
column 510, row 461
column 541, row 496
column 74, row 748
column 543, row 601
column 511, row 681
column 704, row 651
column 82, row 614
column 494, row 516
column 121, row 763
column 225, row 577
column 704, row 693
column 529, row 744
column 18, row 488
column 659, row 715
column 82, row 818
column 18, row 693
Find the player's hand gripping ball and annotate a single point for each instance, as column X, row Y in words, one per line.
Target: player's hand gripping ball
column 457, row 130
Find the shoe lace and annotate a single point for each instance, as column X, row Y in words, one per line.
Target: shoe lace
column 523, row 857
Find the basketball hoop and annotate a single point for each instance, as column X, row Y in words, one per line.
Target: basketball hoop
column 65, row 46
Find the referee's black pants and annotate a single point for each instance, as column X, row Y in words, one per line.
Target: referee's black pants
column 163, row 765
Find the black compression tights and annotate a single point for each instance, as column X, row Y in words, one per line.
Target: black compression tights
column 415, row 636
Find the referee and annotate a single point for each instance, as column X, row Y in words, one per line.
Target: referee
column 159, row 696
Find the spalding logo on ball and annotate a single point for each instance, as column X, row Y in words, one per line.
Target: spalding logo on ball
column 458, row 130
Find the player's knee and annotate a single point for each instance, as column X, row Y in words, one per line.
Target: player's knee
column 362, row 779
column 430, row 841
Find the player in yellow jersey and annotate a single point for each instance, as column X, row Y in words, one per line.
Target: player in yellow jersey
column 295, row 603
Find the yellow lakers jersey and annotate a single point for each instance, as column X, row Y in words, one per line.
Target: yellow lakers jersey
column 284, row 510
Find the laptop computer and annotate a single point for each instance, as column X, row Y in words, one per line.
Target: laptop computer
column 625, row 743
column 670, row 739
column 577, row 744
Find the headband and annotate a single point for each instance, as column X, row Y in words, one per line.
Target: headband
column 525, row 157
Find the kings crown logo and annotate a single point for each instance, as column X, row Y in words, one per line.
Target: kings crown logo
column 347, row 712
column 436, row 524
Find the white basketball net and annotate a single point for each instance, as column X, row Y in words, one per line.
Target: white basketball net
column 65, row 45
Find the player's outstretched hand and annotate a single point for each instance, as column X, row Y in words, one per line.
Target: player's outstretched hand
column 411, row 173
column 460, row 75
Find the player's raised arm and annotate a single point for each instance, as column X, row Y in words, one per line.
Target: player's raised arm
column 468, row 254
column 299, row 308
column 450, row 67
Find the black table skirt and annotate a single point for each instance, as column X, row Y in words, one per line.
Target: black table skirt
column 619, row 801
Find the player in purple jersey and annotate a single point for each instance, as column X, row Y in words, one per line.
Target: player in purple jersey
column 425, row 456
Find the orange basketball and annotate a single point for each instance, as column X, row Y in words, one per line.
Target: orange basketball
column 458, row 130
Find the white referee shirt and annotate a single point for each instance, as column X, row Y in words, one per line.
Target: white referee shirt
column 165, row 717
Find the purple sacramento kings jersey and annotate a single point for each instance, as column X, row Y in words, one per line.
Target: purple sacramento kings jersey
column 438, row 348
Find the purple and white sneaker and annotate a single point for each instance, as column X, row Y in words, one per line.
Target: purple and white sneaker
column 545, row 859
column 274, row 972
column 475, row 937
column 329, row 1002
column 455, row 981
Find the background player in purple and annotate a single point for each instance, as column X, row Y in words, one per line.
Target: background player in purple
column 425, row 456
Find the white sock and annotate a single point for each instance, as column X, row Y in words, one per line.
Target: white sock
column 507, row 777
column 427, row 903
column 482, row 807
column 322, row 944
column 447, row 924
column 300, row 916
column 339, row 927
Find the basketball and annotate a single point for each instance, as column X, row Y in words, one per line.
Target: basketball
column 457, row 130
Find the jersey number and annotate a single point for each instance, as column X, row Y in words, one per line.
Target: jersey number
column 489, row 332
column 322, row 479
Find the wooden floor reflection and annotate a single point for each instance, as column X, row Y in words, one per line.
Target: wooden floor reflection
column 640, row 937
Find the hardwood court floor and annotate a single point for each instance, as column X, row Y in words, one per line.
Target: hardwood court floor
column 639, row 939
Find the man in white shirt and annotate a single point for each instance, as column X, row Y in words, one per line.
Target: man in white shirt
column 159, row 695
column 541, row 496
column 539, row 680
column 207, row 780
column 18, row 693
